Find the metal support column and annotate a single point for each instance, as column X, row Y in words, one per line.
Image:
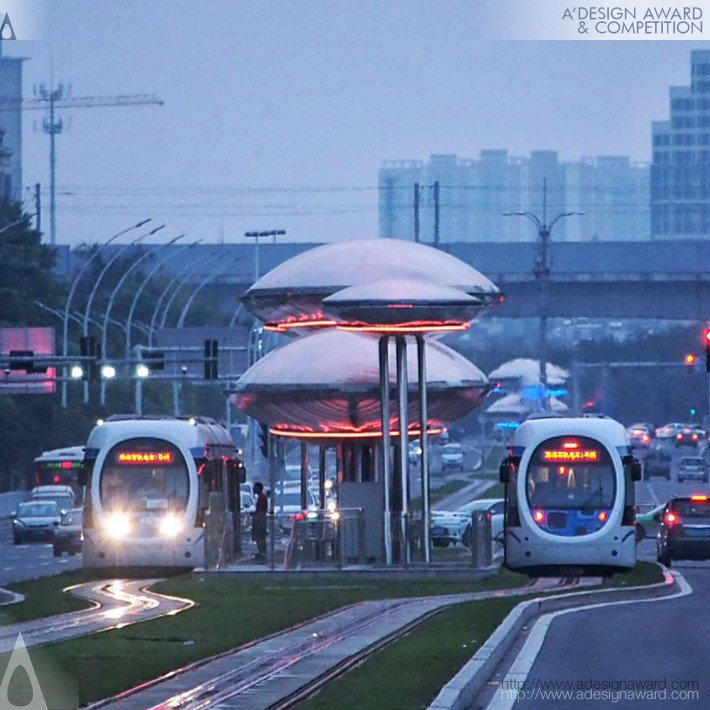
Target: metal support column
column 322, row 451
column 304, row 475
column 386, row 446
column 424, row 445
column 139, row 385
column 403, row 417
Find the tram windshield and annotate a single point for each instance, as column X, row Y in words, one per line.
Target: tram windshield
column 144, row 475
column 573, row 473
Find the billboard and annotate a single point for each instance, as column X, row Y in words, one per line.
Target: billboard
column 41, row 342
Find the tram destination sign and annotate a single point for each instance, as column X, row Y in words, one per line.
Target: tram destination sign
column 569, row 456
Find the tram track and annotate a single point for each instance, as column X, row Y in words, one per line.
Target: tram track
column 287, row 667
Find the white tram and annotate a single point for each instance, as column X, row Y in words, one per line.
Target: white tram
column 570, row 497
column 148, row 482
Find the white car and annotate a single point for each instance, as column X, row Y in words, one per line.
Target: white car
column 455, row 527
column 452, row 456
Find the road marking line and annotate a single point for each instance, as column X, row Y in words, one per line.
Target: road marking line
column 522, row 665
column 656, row 502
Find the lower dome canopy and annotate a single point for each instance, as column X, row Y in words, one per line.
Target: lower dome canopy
column 328, row 383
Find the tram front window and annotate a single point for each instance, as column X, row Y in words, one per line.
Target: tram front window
column 144, row 476
column 574, row 475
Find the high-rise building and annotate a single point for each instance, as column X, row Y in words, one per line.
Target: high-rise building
column 680, row 172
column 11, row 116
column 474, row 193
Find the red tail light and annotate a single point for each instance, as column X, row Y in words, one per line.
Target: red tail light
column 679, row 436
column 57, row 478
column 539, row 516
column 699, row 498
column 603, row 516
column 299, row 516
column 670, row 519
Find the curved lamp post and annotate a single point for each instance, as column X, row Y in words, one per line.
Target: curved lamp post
column 159, row 265
column 72, row 291
column 193, row 295
column 119, row 252
column 117, row 288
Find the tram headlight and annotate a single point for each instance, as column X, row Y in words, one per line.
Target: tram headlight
column 170, row 526
column 118, row 525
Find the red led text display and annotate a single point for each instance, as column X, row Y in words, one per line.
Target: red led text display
column 143, row 457
column 571, row 455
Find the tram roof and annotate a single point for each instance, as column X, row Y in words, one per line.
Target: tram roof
column 533, row 431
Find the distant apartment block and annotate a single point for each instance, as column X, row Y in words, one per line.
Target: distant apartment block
column 474, row 193
column 11, row 118
column 680, row 172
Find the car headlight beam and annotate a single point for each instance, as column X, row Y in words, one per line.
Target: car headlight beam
column 170, row 526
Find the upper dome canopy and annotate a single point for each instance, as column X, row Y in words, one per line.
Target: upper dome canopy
column 295, row 290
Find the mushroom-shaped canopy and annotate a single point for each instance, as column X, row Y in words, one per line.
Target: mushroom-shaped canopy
column 404, row 305
column 328, row 382
column 527, row 372
column 293, row 292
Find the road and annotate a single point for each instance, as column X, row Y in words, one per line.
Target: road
column 22, row 562
column 667, row 640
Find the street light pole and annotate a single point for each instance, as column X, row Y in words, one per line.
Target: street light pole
column 107, row 315
column 255, row 236
column 159, row 265
column 541, row 272
column 99, row 279
column 72, row 291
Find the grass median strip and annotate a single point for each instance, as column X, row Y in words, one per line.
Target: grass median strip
column 44, row 597
column 231, row 610
column 410, row 672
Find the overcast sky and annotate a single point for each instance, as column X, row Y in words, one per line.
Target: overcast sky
column 312, row 94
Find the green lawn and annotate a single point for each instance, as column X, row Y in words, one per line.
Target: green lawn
column 410, row 672
column 231, row 610
column 44, row 597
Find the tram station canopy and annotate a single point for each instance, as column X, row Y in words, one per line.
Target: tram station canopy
column 526, row 372
column 292, row 295
column 328, row 382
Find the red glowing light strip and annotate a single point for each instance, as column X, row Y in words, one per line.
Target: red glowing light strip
column 295, row 434
column 570, row 456
column 291, row 325
column 405, row 328
column 138, row 457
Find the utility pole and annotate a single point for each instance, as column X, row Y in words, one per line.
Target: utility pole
column 38, row 208
column 416, row 213
column 541, row 271
column 437, row 213
column 52, row 128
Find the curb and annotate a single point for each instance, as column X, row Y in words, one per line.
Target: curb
column 465, row 686
column 15, row 598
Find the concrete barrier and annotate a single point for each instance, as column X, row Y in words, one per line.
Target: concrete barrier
column 460, row 692
column 10, row 501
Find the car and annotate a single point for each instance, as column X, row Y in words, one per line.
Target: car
column 687, row 437
column 648, row 523
column 62, row 495
column 668, row 431
column 657, row 463
column 452, row 457
column 451, row 527
column 496, row 508
column 287, row 503
column 35, row 520
column 692, row 468
column 68, row 535
column 639, row 436
column 685, row 530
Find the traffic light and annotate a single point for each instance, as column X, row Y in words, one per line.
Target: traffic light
column 24, row 360
column 211, row 359
column 89, row 347
column 154, row 359
column 264, row 440
column 707, row 349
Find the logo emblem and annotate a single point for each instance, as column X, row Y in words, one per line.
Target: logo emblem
column 6, row 30
column 20, row 658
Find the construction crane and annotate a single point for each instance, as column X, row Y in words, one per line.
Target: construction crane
column 53, row 99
